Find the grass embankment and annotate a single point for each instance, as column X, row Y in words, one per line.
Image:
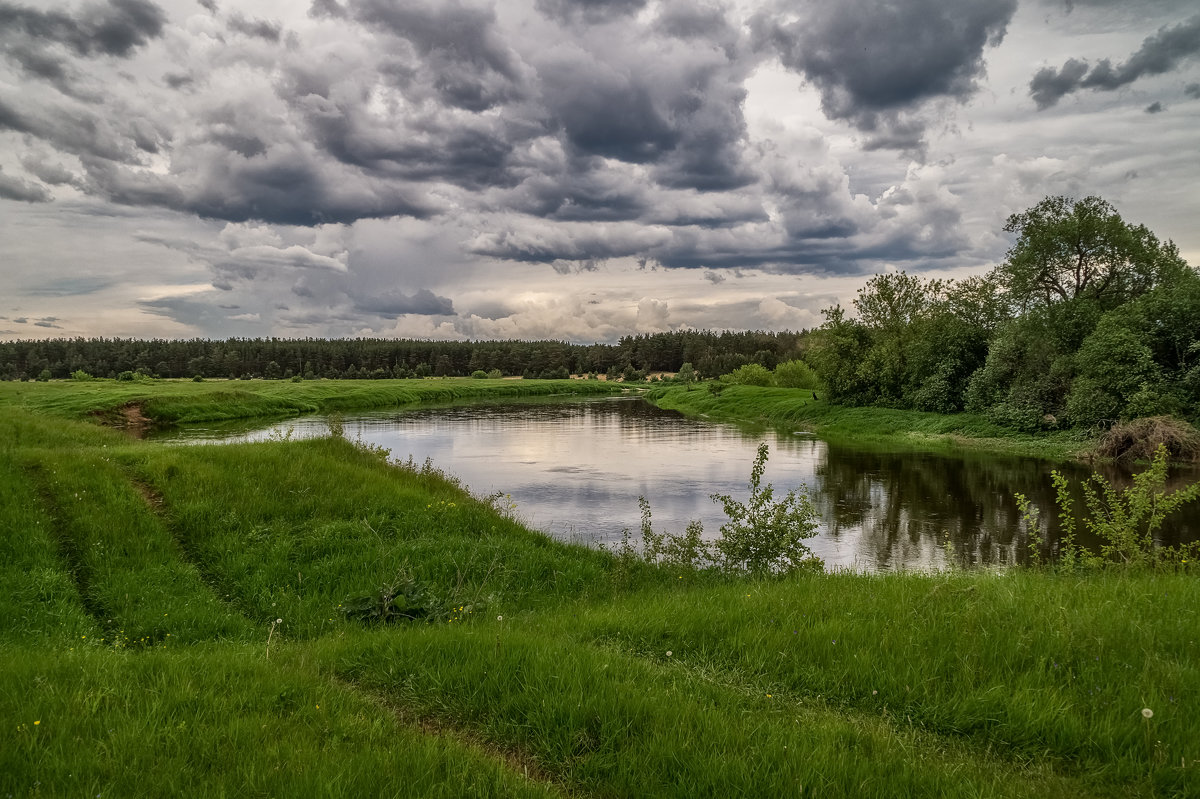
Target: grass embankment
column 173, row 622
column 911, row 430
column 182, row 401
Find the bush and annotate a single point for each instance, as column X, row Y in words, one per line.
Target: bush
column 765, row 535
column 752, row 374
column 494, row 374
column 479, row 374
column 1123, row 521
column 795, row 374
column 198, row 379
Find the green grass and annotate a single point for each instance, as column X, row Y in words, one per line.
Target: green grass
column 795, row 409
column 142, row 652
column 180, row 401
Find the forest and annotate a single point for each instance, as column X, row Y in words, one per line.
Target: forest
column 1089, row 320
column 710, row 353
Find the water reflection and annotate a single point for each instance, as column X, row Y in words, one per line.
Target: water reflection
column 576, row 468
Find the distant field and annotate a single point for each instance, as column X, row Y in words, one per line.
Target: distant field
column 217, row 620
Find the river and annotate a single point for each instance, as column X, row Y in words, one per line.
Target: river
column 575, row 469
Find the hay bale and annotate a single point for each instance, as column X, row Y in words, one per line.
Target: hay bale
column 1138, row 439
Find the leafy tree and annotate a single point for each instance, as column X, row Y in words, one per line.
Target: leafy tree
column 1069, row 248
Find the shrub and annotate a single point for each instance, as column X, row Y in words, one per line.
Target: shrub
column 479, row 374
column 81, row 376
column 795, row 374
column 752, row 374
column 1123, row 521
column 494, row 374
column 766, row 535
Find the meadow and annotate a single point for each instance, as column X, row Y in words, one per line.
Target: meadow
column 312, row 618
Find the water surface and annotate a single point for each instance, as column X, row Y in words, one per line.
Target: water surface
column 575, row 469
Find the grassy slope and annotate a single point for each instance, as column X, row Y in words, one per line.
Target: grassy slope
column 561, row 673
column 795, row 408
column 179, row 401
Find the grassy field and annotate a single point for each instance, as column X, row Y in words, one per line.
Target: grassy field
column 203, row 621
column 895, row 429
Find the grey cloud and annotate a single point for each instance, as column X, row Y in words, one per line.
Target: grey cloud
column 1192, row 90
column 1155, row 108
column 875, row 61
column 80, row 131
column 391, row 305
column 47, row 323
column 112, row 28
column 589, row 11
column 608, row 114
column 71, row 287
column 685, row 19
column 1163, row 52
column 716, row 278
column 12, row 188
column 201, row 315
column 259, row 28
column 472, row 65
column 21, row 320
column 1050, row 85
column 492, row 310
column 210, row 5
column 291, row 187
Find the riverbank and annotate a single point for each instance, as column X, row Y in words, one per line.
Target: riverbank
column 796, row 410
column 304, row 618
column 163, row 402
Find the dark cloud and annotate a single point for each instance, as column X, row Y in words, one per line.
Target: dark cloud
column 1049, row 85
column 47, row 323
column 685, row 19
column 81, row 131
column 1192, row 90
column 259, row 28
column 292, row 186
column 112, row 28
column 1155, row 108
column 12, row 188
column 1163, row 52
column 589, row 11
column 393, row 304
column 876, row 61
column 471, row 65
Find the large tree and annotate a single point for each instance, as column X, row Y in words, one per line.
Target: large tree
column 1069, row 249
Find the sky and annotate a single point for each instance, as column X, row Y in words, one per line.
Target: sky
column 570, row 169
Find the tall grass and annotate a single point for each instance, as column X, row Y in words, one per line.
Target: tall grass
column 547, row 669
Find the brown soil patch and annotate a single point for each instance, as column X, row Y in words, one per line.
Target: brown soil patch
column 129, row 418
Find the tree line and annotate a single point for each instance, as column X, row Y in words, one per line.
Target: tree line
column 1089, row 320
column 711, row 353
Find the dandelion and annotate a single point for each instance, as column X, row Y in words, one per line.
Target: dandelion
column 668, row 653
column 1147, row 713
column 39, row 721
column 279, row 621
column 499, row 618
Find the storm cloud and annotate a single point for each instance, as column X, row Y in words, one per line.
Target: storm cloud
column 114, row 28
column 471, row 167
column 1163, row 52
column 878, row 63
